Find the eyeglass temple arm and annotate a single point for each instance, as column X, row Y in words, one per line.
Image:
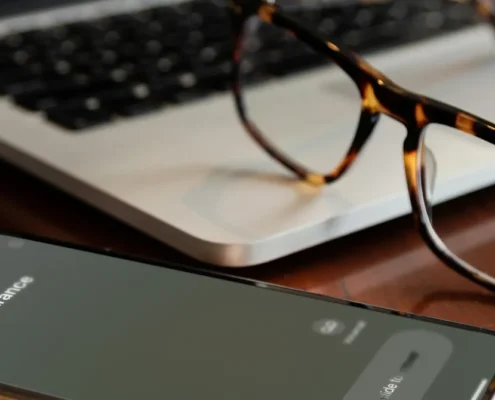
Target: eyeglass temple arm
column 438, row 112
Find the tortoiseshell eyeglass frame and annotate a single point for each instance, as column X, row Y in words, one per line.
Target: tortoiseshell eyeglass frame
column 380, row 95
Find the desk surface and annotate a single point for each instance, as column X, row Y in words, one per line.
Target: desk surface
column 387, row 265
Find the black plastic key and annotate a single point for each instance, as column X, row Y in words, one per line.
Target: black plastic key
column 81, row 74
column 132, row 99
column 133, row 107
column 13, row 76
column 48, row 94
column 78, row 119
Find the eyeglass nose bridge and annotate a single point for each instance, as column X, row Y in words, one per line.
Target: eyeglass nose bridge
column 380, row 97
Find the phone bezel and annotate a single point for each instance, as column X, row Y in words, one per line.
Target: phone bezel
column 246, row 281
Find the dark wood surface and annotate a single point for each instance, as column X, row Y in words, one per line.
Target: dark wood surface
column 387, row 265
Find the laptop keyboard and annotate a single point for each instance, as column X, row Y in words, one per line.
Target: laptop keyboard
column 92, row 73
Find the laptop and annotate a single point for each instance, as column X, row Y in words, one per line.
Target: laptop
column 182, row 169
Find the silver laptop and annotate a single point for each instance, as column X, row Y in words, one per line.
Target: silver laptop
column 182, row 169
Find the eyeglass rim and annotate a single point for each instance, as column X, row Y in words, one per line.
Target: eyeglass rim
column 379, row 95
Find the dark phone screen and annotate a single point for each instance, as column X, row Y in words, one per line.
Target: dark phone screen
column 87, row 326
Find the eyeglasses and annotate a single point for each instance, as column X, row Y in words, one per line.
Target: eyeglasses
column 367, row 92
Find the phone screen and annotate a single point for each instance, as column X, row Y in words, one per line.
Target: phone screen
column 80, row 325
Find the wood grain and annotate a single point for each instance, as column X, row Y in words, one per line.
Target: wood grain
column 387, row 265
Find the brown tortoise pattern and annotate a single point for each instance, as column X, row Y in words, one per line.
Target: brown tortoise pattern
column 380, row 95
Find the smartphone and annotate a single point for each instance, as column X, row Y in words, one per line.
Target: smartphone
column 82, row 325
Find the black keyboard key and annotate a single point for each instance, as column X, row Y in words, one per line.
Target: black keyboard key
column 165, row 68
column 108, row 57
column 78, row 119
column 85, row 33
column 195, row 41
column 371, row 38
column 217, row 31
column 12, row 76
column 153, row 28
column 175, row 88
column 23, row 57
column 34, row 96
column 67, row 47
column 37, row 38
column 38, row 85
column 43, row 95
column 213, row 78
column 215, row 54
column 310, row 15
column 327, row 26
column 150, row 48
column 133, row 99
column 398, row 10
column 12, row 42
column 169, row 63
column 188, row 96
column 364, row 17
column 137, row 62
column 174, row 19
column 134, row 106
column 347, row 19
column 16, row 58
column 57, row 33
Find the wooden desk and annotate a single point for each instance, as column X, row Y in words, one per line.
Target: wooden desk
column 387, row 265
